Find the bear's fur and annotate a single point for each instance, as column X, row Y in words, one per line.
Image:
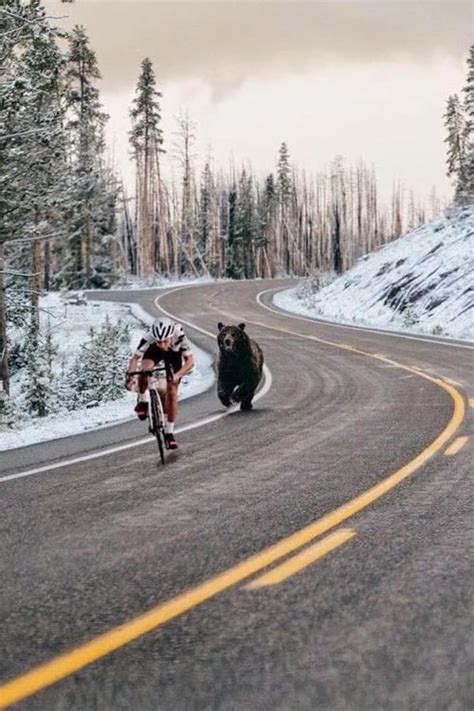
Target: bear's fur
column 239, row 366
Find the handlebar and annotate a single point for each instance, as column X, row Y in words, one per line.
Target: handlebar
column 164, row 370
column 144, row 372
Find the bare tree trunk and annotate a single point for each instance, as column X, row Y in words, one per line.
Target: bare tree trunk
column 47, row 266
column 4, row 371
column 35, row 277
column 163, row 258
column 86, row 248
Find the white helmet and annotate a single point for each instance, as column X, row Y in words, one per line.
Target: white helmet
column 162, row 328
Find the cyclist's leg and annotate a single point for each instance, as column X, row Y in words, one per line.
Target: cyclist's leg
column 171, row 404
column 174, row 362
column 141, row 407
column 171, row 412
column 147, row 364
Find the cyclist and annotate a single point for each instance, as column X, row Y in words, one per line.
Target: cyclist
column 165, row 342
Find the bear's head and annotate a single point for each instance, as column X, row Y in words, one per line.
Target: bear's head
column 231, row 338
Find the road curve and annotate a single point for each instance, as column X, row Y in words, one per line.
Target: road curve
column 312, row 554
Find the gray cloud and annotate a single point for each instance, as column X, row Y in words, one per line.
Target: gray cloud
column 224, row 43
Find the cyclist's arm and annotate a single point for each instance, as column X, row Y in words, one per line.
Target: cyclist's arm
column 132, row 365
column 142, row 346
column 188, row 364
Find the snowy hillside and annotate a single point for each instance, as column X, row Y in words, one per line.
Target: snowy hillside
column 422, row 282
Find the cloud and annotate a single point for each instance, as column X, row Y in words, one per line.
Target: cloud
column 226, row 43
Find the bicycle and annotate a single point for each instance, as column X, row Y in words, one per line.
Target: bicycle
column 156, row 414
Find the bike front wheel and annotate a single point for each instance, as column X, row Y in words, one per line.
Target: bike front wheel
column 157, row 423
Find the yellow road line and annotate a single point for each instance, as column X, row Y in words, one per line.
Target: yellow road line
column 454, row 448
column 302, row 560
column 65, row 664
column 453, row 382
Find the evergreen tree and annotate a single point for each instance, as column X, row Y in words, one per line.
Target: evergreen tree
column 468, row 188
column 41, row 120
column 245, row 227
column 97, row 373
column 32, row 139
column 85, row 376
column 284, row 195
column 114, row 345
column 206, row 223
column 284, row 175
column 267, row 219
column 37, row 385
column 268, row 209
column 456, row 142
column 8, row 412
column 91, row 191
column 146, row 139
column 233, row 269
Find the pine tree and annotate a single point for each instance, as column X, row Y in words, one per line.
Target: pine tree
column 146, row 139
column 268, row 215
column 468, row 188
column 97, row 372
column 338, row 213
column 114, row 340
column 284, row 174
column 207, row 236
column 37, row 385
column 85, row 376
column 456, row 141
column 8, row 412
column 91, row 190
column 245, row 227
column 233, row 269
column 32, row 139
column 284, row 195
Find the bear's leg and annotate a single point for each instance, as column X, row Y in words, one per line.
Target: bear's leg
column 246, row 399
column 223, row 393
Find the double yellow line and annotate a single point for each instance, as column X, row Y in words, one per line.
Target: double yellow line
column 72, row 661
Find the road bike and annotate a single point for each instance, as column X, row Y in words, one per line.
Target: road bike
column 156, row 415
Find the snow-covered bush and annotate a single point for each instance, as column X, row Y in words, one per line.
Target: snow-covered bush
column 38, row 387
column 8, row 412
column 97, row 374
column 313, row 283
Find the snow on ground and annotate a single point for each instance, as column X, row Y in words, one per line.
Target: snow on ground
column 131, row 282
column 70, row 324
column 421, row 282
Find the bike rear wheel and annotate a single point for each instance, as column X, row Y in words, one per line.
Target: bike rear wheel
column 157, row 422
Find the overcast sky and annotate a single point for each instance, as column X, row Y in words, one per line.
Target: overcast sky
column 362, row 79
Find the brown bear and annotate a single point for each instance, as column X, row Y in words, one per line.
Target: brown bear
column 239, row 366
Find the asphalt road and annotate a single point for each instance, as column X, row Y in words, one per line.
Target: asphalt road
column 342, row 463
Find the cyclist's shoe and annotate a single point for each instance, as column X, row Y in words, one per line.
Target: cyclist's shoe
column 170, row 440
column 141, row 409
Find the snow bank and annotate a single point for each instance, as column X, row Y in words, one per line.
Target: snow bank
column 70, row 320
column 422, row 283
column 131, row 282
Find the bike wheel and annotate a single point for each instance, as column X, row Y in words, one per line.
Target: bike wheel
column 157, row 423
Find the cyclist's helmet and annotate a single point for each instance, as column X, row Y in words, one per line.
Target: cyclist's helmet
column 162, row 328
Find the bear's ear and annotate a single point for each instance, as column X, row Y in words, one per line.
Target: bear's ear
column 242, row 326
column 220, row 325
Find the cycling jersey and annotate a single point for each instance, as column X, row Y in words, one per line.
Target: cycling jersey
column 179, row 342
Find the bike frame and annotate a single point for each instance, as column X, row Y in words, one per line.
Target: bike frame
column 156, row 414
